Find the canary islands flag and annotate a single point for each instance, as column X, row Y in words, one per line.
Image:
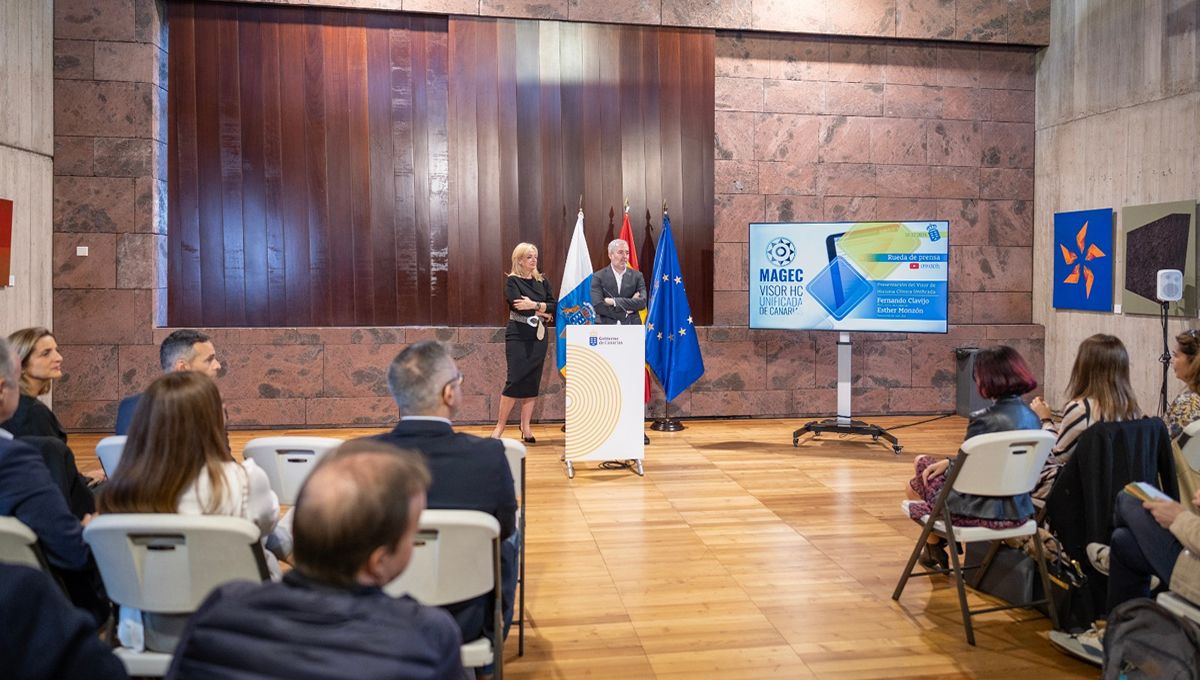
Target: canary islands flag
column 575, row 294
column 672, row 349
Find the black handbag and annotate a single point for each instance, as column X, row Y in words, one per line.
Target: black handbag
column 1069, row 588
column 1013, row 577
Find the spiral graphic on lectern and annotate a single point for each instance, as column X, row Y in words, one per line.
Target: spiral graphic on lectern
column 593, row 401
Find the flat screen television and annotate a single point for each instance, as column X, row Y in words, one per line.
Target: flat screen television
column 850, row 276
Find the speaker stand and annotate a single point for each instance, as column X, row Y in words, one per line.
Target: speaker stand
column 843, row 423
column 1165, row 360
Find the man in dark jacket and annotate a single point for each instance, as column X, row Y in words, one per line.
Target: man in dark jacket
column 469, row 472
column 45, row 638
column 182, row 350
column 355, row 521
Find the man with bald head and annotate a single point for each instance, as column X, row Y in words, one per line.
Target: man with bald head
column 355, row 521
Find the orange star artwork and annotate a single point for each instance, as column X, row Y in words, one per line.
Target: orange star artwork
column 1071, row 257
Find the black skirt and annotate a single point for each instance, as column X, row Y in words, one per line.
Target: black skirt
column 525, row 355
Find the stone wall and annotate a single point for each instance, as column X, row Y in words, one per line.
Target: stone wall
column 1115, row 127
column 807, row 128
column 1018, row 22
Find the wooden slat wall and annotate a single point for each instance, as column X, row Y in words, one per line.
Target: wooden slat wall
column 368, row 169
column 542, row 112
column 301, row 140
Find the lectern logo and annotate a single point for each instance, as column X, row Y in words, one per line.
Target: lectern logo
column 781, row 251
column 593, row 341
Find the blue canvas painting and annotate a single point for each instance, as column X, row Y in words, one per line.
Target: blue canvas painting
column 1083, row 260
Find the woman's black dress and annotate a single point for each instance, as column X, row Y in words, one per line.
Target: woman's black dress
column 524, row 352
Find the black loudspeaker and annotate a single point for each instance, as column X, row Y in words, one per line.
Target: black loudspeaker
column 967, row 398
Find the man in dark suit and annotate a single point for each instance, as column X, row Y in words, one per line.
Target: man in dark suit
column 469, row 472
column 28, row 494
column 46, row 637
column 618, row 291
column 183, row 350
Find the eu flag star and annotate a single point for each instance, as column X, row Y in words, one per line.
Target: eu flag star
column 678, row 279
column 690, row 321
column 682, row 332
column 660, row 335
column 666, row 277
column 649, row 326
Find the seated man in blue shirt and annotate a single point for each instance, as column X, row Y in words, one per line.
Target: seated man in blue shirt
column 183, row 350
column 356, row 518
column 469, row 472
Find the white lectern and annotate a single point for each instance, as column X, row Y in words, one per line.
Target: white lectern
column 605, row 401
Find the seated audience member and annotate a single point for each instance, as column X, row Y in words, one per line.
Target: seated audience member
column 35, row 424
column 41, row 365
column 1150, row 540
column 1001, row 374
column 182, row 350
column 469, row 472
column 176, row 461
column 356, row 518
column 45, row 638
column 1099, row 391
column 1185, row 362
column 28, row 494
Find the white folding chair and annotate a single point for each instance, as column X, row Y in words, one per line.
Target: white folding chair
column 456, row 558
column 18, row 544
column 288, row 461
column 1179, row 606
column 515, row 452
column 168, row 564
column 997, row 464
column 109, row 452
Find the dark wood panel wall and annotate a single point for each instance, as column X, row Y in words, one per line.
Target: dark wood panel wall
column 332, row 167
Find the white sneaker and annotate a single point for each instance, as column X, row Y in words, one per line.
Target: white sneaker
column 1097, row 554
column 1086, row 645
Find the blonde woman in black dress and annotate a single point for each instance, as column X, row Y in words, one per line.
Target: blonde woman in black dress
column 530, row 302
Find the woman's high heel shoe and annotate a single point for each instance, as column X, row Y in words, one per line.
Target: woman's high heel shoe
column 529, row 439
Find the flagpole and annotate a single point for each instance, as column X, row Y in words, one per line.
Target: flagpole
column 666, row 423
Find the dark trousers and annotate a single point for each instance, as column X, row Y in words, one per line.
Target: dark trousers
column 1140, row 548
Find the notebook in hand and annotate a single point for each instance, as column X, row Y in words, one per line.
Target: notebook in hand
column 1146, row 492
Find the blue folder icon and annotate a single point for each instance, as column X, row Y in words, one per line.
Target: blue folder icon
column 839, row 287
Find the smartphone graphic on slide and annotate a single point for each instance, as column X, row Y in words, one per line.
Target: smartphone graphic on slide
column 839, row 287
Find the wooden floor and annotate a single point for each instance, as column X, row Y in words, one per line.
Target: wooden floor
column 739, row 556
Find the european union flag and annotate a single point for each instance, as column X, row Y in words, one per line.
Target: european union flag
column 672, row 349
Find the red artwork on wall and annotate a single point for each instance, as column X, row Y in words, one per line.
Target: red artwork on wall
column 6, row 213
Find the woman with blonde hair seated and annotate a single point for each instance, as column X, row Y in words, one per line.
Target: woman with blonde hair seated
column 33, row 422
column 1099, row 391
column 41, row 365
column 176, row 461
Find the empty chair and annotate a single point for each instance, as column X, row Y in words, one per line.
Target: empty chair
column 515, row 452
column 167, row 564
column 18, row 544
column 109, row 452
column 997, row 464
column 288, row 460
column 456, row 557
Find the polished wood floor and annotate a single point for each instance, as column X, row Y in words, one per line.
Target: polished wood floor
column 739, row 556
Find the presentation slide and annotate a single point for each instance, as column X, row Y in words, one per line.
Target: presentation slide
column 850, row 276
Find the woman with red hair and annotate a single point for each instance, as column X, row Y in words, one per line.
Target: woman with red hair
column 1001, row 374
